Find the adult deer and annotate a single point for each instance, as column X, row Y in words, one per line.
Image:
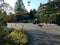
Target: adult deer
column 40, row 25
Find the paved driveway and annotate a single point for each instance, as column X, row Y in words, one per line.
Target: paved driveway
column 46, row 35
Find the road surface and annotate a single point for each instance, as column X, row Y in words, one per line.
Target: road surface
column 46, row 35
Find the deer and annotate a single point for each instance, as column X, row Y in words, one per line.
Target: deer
column 40, row 25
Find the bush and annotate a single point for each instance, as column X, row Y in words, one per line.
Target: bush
column 17, row 37
column 3, row 34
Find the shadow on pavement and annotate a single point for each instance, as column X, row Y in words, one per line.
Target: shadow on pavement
column 38, row 37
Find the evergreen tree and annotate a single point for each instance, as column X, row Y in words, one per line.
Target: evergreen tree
column 19, row 10
column 31, row 14
column 19, row 6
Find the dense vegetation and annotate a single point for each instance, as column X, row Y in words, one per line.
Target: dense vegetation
column 50, row 12
column 20, row 10
column 16, row 37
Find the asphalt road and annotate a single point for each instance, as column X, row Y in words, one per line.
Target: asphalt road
column 46, row 35
column 38, row 37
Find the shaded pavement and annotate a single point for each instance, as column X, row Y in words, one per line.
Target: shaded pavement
column 38, row 37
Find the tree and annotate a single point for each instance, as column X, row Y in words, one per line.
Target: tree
column 10, row 18
column 49, row 0
column 3, row 34
column 5, row 7
column 2, row 20
column 52, row 10
column 34, row 11
column 57, row 19
column 3, row 31
column 19, row 10
column 19, row 6
column 31, row 15
column 56, row 0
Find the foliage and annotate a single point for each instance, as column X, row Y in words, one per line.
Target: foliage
column 34, row 11
column 31, row 14
column 10, row 18
column 3, row 33
column 50, row 12
column 5, row 7
column 17, row 37
column 58, row 19
column 2, row 20
column 19, row 10
column 18, row 6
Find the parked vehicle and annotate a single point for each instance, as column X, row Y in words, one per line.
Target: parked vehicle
column 36, row 21
column 26, row 21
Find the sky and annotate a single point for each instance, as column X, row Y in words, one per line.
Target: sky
column 33, row 5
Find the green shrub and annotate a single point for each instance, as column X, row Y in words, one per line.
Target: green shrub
column 3, row 34
column 17, row 37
